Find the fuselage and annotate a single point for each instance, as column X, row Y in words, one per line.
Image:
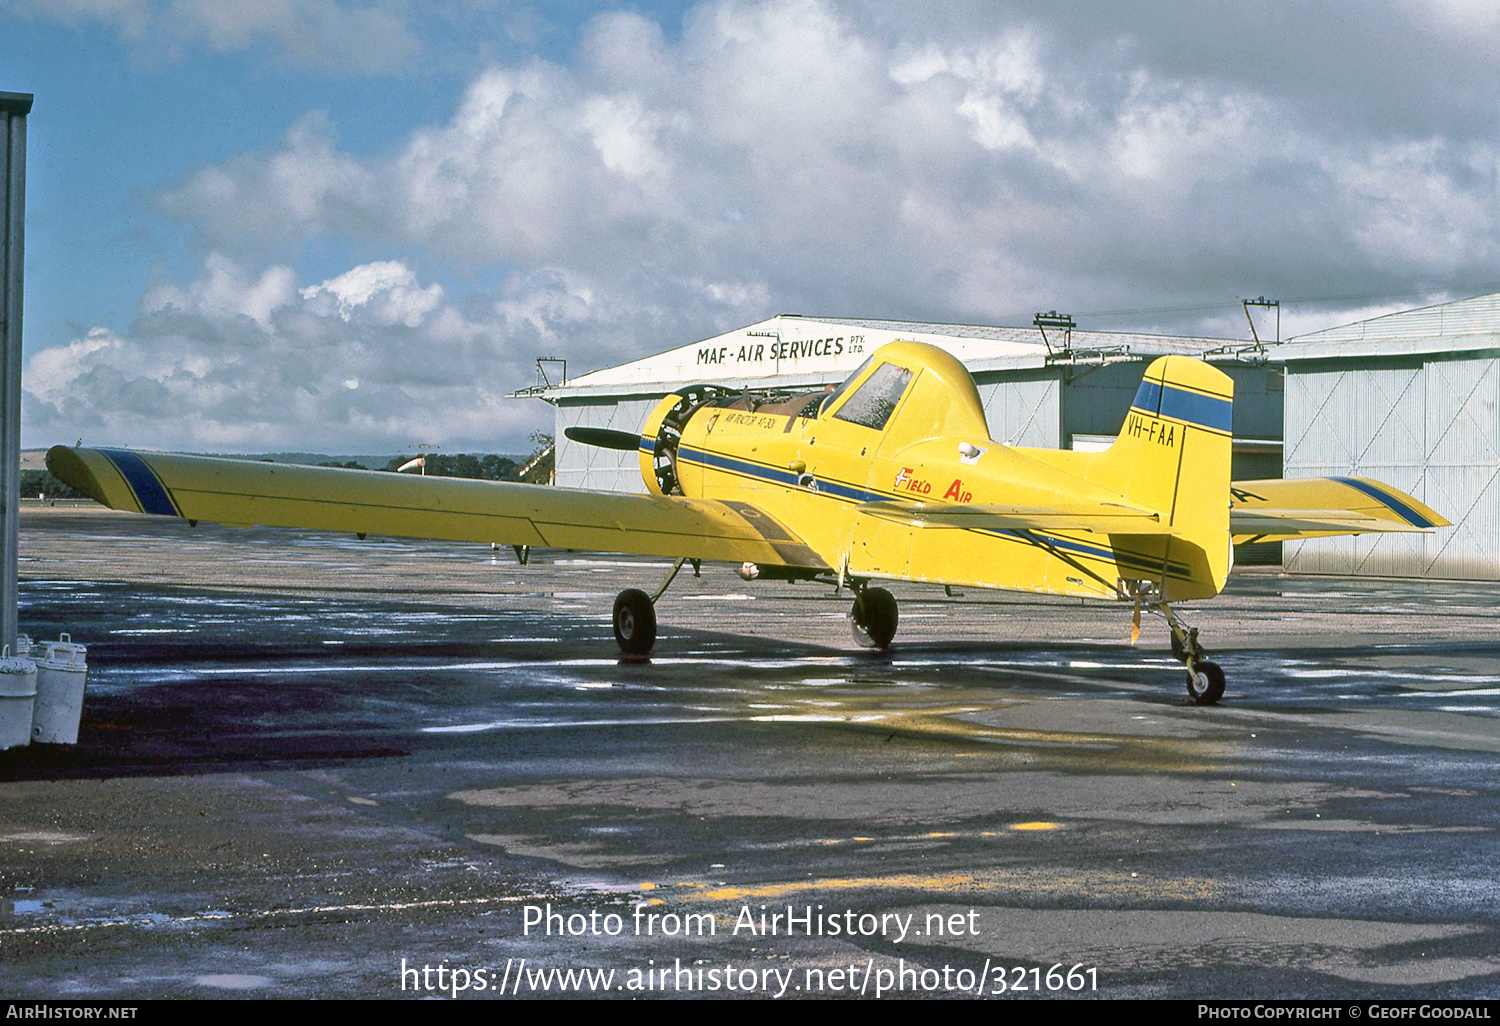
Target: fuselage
column 838, row 467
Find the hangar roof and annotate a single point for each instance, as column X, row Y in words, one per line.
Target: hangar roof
column 790, row 350
column 1464, row 325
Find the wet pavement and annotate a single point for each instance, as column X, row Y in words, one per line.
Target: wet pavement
column 304, row 759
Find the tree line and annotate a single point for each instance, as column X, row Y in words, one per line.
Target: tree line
column 485, row 467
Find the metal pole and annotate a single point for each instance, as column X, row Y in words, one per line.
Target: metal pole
column 13, row 110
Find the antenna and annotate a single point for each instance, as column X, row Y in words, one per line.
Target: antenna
column 1053, row 319
column 1264, row 303
column 776, row 334
column 543, row 380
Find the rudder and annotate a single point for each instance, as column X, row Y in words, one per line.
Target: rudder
column 1173, row 455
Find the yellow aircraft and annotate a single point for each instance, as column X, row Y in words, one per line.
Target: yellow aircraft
column 893, row 476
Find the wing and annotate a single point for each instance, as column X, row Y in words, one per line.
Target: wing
column 1099, row 518
column 1316, row 507
column 445, row 508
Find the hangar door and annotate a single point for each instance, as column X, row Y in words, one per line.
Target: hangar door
column 591, row 466
column 1023, row 410
column 1429, row 428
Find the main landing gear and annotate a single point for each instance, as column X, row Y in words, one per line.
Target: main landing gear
column 873, row 619
column 635, row 622
column 635, row 613
column 1205, row 680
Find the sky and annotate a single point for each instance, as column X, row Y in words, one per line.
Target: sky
column 351, row 227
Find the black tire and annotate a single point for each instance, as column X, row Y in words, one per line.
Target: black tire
column 873, row 619
column 1205, row 683
column 635, row 622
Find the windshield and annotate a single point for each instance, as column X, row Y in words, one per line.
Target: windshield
column 833, row 397
column 872, row 403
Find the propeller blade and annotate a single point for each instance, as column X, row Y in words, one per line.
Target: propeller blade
column 604, row 438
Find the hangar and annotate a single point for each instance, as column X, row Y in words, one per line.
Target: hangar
column 1413, row 399
column 1048, row 385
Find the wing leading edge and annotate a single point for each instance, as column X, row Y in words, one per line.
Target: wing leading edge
column 441, row 508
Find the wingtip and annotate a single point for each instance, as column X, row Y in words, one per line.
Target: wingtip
column 70, row 467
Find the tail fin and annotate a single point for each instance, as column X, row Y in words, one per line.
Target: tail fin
column 1173, row 455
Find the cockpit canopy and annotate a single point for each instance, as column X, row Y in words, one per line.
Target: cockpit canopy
column 933, row 389
column 873, row 402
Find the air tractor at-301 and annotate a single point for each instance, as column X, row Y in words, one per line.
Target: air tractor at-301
column 893, row 476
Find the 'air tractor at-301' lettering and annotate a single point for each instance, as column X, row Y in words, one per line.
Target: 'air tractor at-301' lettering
column 893, row 476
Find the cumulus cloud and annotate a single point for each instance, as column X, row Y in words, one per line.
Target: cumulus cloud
column 387, row 289
column 238, row 360
column 962, row 161
column 794, row 145
column 372, row 359
column 303, row 190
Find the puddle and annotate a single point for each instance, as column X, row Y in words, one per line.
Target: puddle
column 233, row 981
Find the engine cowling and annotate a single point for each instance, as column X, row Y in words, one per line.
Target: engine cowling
column 662, row 432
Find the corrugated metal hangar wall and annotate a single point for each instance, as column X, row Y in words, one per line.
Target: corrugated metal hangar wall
column 1411, row 399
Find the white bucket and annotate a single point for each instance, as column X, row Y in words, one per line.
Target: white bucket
column 60, row 676
column 17, row 699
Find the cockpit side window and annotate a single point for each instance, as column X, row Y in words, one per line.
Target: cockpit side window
column 873, row 402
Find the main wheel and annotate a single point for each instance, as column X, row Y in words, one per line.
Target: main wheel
column 1205, row 682
column 872, row 621
column 635, row 622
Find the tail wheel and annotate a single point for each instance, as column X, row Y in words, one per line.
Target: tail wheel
column 635, row 622
column 1205, row 682
column 872, row 621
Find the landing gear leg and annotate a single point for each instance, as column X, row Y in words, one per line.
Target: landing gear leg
column 1205, row 680
column 672, row 576
column 873, row 619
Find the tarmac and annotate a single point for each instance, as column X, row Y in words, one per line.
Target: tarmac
column 308, row 763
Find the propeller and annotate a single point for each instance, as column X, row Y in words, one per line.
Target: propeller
column 604, row 438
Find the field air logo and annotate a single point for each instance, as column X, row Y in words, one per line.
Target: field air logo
column 958, row 493
column 906, row 483
column 1151, row 429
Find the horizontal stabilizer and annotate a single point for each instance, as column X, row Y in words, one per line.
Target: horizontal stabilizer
column 1282, row 521
column 1313, row 507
